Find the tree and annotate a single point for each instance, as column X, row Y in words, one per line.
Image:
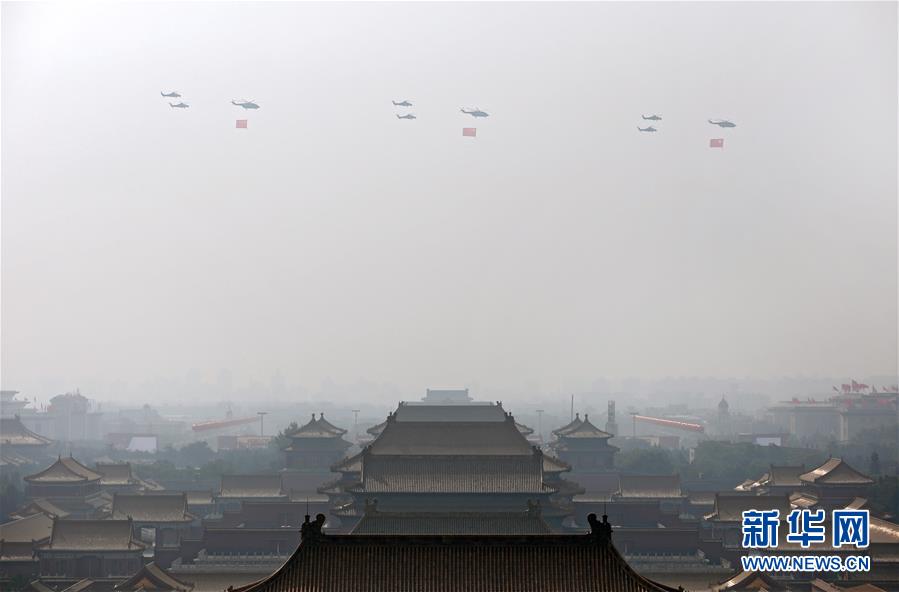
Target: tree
column 11, row 496
column 651, row 461
column 195, row 454
column 282, row 440
column 874, row 467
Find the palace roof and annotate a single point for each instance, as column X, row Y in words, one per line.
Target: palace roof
column 350, row 464
column 92, row 535
column 836, row 471
column 729, row 507
column 802, row 500
column 453, row 474
column 65, row 470
column 11, row 458
column 14, row 433
column 649, row 486
column 819, row 585
column 115, row 474
column 39, row 506
column 154, row 507
column 572, row 425
column 36, row 527
column 251, row 486
column 584, row 429
column 784, row 476
column 750, row 580
column 318, row 428
column 445, row 563
column 451, row 523
column 153, row 577
column 451, row 438
column 199, row 497
column 412, row 412
column 552, row 464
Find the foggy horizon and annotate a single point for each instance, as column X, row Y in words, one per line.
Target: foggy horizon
column 333, row 244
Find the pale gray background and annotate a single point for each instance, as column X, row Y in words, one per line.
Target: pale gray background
column 330, row 241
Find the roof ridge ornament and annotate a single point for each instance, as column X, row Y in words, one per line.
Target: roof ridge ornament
column 601, row 531
column 311, row 531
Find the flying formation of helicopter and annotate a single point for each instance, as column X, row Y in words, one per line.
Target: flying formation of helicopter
column 181, row 105
column 647, row 129
column 245, row 104
column 723, row 123
column 476, row 113
column 402, row 103
column 652, row 118
column 172, row 95
column 407, row 116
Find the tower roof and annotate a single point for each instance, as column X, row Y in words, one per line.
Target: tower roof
column 318, row 428
column 573, row 424
column 584, row 429
column 14, row 433
column 451, row 438
column 65, row 470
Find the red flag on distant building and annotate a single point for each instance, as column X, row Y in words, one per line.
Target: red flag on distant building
column 469, row 131
column 242, row 123
column 716, row 143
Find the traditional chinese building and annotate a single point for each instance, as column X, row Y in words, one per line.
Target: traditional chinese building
column 69, row 485
column 17, row 541
column 437, row 563
column 726, row 520
column 238, row 488
column 882, row 549
column 584, row 446
column 835, row 483
column 39, row 506
column 9, row 405
column 95, row 549
column 316, row 446
column 117, row 478
column 463, row 459
column 160, row 520
column 18, row 441
column 447, row 397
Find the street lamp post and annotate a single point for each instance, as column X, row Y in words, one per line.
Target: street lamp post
column 356, row 425
column 540, row 424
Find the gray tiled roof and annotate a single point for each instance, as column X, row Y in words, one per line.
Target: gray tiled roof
column 454, row 474
column 100, row 535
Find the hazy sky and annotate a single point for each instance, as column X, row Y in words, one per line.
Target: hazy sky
column 332, row 241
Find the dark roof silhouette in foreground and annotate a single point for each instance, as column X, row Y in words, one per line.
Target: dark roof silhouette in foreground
column 433, row 563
